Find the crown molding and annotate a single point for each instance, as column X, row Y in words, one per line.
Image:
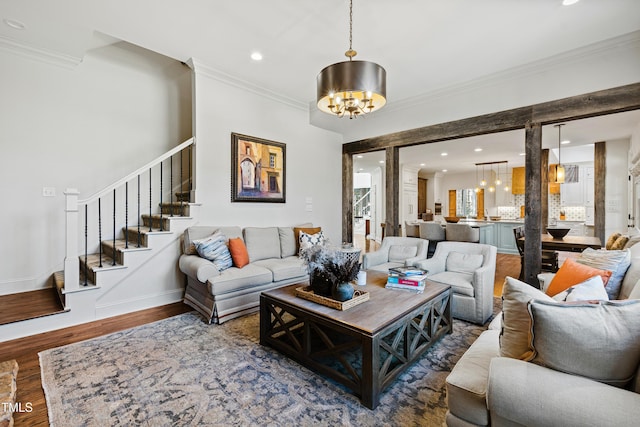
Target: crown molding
column 39, row 54
column 625, row 41
column 204, row 70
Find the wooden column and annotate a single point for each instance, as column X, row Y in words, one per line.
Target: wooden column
column 544, row 189
column 532, row 204
column 599, row 170
column 392, row 187
column 347, row 197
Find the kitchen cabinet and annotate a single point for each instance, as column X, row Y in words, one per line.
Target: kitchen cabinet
column 506, row 241
column 517, row 180
column 578, row 193
column 589, row 194
column 409, row 194
column 487, row 235
column 500, row 234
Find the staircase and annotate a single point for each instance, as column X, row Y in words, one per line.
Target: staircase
column 104, row 249
column 173, row 218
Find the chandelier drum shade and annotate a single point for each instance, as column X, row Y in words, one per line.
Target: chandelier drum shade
column 351, row 87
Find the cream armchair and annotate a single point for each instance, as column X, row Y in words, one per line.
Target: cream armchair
column 470, row 269
column 396, row 252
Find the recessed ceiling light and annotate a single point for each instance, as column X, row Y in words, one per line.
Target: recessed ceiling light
column 422, row 164
column 359, row 156
column 381, row 161
column 444, row 170
column 569, row 2
column 256, row 56
column 566, row 141
column 522, row 154
column 16, row 25
column 360, row 170
column 444, row 154
column 477, row 150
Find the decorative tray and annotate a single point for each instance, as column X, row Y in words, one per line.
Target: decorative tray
column 358, row 298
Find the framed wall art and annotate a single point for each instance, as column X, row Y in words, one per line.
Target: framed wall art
column 258, row 170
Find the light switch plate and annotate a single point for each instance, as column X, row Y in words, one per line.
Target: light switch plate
column 48, row 191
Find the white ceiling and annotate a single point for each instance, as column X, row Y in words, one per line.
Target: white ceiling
column 424, row 45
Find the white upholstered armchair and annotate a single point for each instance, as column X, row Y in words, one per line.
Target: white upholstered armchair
column 396, row 252
column 470, row 269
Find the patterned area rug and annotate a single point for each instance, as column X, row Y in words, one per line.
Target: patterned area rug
column 180, row 371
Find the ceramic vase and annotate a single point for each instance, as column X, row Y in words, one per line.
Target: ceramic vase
column 342, row 291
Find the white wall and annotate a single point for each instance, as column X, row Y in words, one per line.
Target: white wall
column 313, row 158
column 83, row 128
column 616, row 187
column 609, row 64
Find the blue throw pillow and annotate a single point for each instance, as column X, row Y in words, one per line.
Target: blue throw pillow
column 616, row 261
column 214, row 248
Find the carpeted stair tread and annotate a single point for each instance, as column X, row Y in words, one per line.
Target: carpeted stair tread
column 121, row 245
column 145, row 231
column 93, row 263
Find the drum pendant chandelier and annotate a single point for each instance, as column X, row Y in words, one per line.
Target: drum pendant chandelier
column 351, row 87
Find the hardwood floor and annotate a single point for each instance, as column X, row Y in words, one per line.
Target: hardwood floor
column 29, row 305
column 25, row 350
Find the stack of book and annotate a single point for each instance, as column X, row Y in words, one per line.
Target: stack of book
column 407, row 278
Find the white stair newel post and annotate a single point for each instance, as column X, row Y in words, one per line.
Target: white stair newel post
column 71, row 261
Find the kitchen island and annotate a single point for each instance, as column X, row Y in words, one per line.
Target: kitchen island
column 497, row 233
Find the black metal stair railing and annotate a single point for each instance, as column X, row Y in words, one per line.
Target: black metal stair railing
column 119, row 208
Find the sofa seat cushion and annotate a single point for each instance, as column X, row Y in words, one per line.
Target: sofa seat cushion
column 467, row 382
column 233, row 279
column 285, row 268
column 460, row 282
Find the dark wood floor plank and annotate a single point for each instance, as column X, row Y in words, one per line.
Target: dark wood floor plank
column 29, row 305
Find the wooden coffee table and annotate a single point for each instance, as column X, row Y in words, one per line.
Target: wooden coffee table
column 365, row 347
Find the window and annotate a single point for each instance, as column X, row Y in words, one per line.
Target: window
column 272, row 160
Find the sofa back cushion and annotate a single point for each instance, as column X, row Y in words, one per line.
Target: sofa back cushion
column 287, row 242
column 463, row 263
column 262, row 242
column 198, row 232
column 399, row 253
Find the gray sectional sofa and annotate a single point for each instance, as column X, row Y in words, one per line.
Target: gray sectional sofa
column 486, row 388
column 223, row 295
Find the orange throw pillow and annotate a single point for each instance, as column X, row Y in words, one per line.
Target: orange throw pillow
column 571, row 273
column 239, row 253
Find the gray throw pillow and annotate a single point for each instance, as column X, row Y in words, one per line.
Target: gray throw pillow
column 516, row 323
column 597, row 341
